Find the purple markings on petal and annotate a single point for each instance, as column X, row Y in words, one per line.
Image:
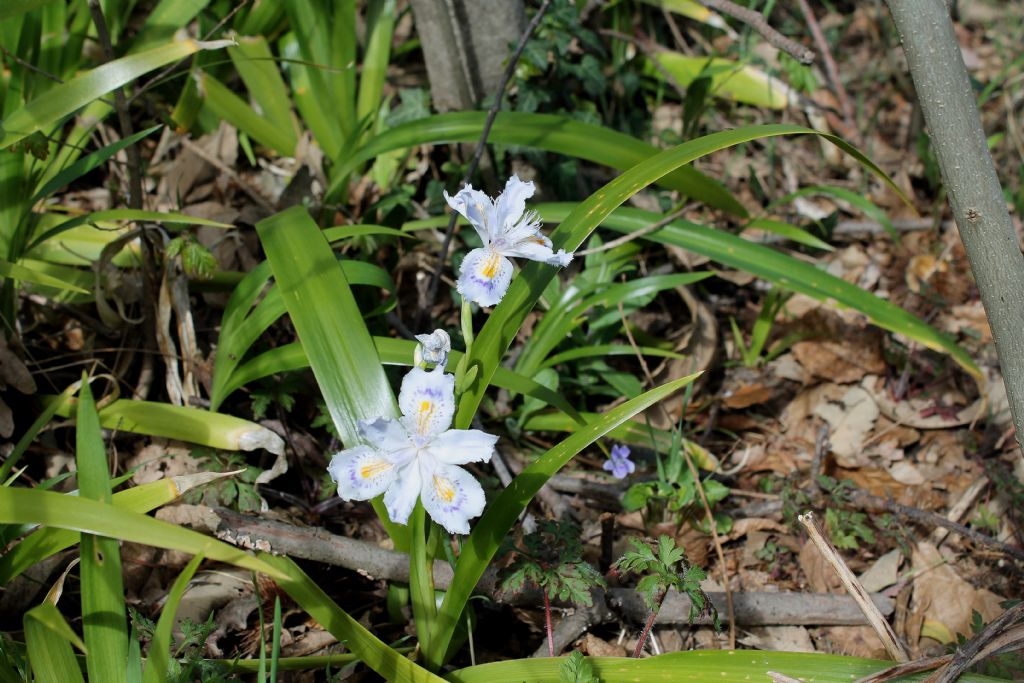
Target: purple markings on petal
column 619, row 463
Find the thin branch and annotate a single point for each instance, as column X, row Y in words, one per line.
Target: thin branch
column 756, row 21
column 376, row 563
column 866, row 500
column 975, row 649
column 478, row 153
column 121, row 106
column 830, row 64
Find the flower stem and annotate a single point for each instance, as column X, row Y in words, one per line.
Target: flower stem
column 547, row 622
column 648, row 625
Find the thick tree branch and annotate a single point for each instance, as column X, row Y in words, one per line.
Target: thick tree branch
column 949, row 107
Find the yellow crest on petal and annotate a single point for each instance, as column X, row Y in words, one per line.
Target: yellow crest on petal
column 444, row 489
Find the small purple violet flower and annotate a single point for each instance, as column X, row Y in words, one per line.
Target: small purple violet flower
column 619, row 463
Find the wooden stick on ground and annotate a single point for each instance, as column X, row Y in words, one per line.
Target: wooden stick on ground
column 885, row 633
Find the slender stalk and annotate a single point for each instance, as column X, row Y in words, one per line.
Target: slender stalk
column 547, row 623
column 954, row 124
column 646, row 633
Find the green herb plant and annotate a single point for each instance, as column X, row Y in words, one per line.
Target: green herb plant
column 673, row 495
column 664, row 567
column 757, row 353
column 551, row 558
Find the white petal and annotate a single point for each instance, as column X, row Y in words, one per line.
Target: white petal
column 362, row 472
column 427, row 400
column 459, row 446
column 484, row 276
column 511, row 203
column 478, row 209
column 538, row 248
column 401, row 496
column 434, row 347
column 384, row 434
column 451, row 496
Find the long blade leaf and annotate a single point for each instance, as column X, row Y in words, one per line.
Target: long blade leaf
column 330, row 325
column 104, row 623
column 61, row 100
column 550, row 132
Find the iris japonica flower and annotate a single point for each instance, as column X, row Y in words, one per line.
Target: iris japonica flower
column 507, row 230
column 433, row 348
column 418, row 456
column 618, row 463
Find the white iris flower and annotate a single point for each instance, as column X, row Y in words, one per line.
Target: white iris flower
column 418, row 455
column 433, row 348
column 507, row 230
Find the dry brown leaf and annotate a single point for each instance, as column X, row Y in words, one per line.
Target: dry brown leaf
column 820, row 575
column 923, row 413
column 750, row 525
column 839, row 360
column 851, row 420
column 746, row 396
column 944, row 598
column 852, row 641
column 599, row 647
column 161, row 459
column 883, row 573
column 779, row 639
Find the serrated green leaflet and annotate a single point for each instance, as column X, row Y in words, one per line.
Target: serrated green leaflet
column 550, row 132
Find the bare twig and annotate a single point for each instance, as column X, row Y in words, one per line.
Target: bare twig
column 374, row 562
column 866, row 500
column 980, row 645
column 821, row 448
column 636, row 234
column 830, row 64
column 121, row 106
column 478, row 153
column 960, row 508
column 229, row 172
column 853, row 586
column 756, row 21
